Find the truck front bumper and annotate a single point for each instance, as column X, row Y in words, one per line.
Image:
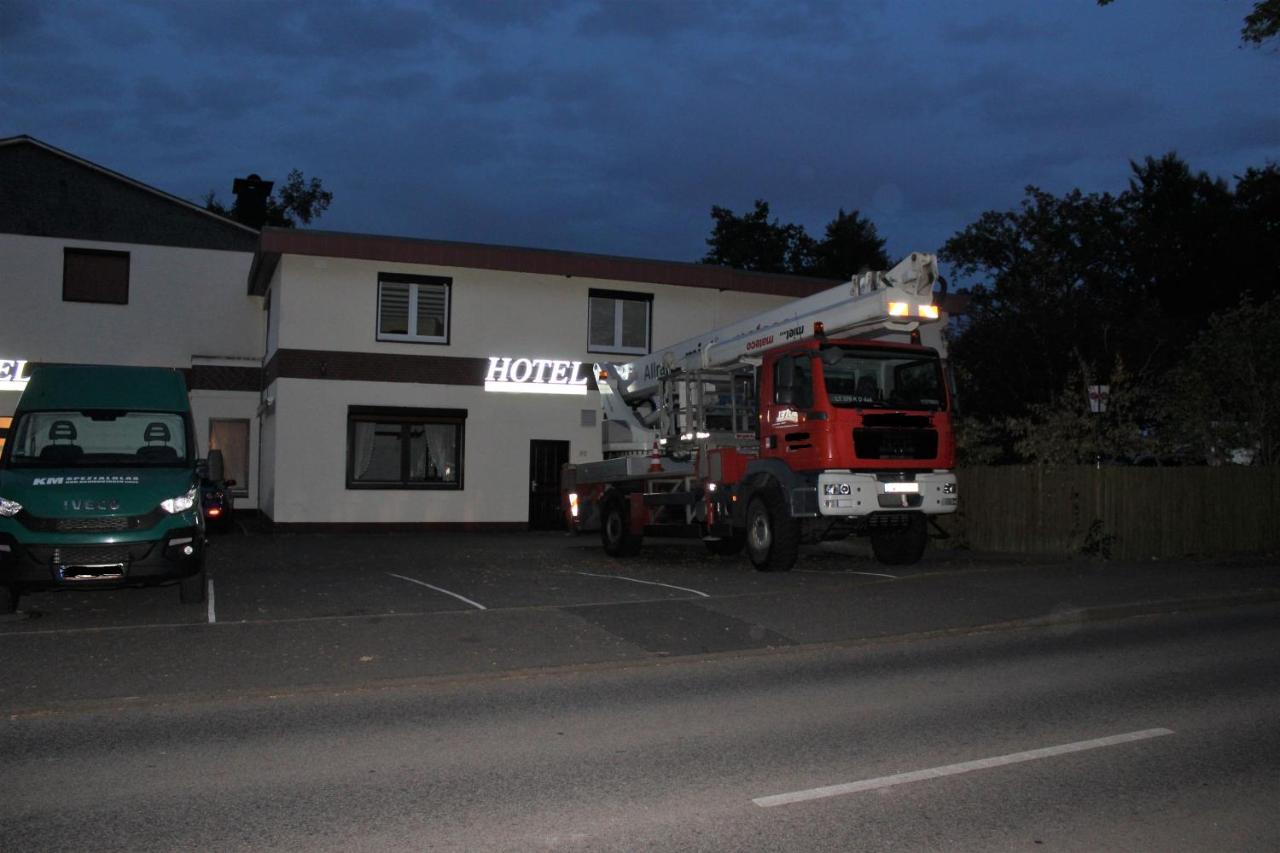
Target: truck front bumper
column 850, row 494
column 49, row 564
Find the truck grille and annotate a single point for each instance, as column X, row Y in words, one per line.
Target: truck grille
column 877, row 443
column 91, row 524
column 89, row 555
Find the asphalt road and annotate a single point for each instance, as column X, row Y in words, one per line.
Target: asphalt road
column 683, row 754
column 527, row 692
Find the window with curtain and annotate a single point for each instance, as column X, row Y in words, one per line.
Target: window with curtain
column 413, row 308
column 405, row 448
column 618, row 321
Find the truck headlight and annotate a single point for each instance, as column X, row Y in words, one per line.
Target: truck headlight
column 173, row 506
column 9, row 508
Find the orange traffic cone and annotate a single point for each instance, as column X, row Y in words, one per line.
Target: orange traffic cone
column 655, row 458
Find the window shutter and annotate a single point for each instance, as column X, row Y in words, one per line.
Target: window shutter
column 601, row 322
column 394, row 309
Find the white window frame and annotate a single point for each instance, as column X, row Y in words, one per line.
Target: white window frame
column 415, row 283
column 618, row 298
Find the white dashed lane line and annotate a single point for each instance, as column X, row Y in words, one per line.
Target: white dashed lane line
column 955, row 769
column 477, row 605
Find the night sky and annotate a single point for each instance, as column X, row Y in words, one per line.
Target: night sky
column 614, row 126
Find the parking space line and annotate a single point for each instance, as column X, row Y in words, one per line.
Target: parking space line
column 955, row 769
column 650, row 583
column 477, row 605
column 213, row 616
column 847, row 572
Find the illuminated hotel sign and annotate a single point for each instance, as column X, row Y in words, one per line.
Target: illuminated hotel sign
column 14, row 374
column 535, row 376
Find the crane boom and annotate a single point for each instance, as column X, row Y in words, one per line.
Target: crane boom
column 892, row 300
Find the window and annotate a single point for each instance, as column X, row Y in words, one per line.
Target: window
column 793, row 381
column 413, row 308
column 618, row 322
column 92, row 275
column 232, row 438
column 4, row 430
column 404, row 448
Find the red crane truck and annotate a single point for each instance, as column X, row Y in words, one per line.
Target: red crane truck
column 816, row 420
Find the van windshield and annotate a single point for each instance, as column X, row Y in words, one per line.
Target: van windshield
column 99, row 437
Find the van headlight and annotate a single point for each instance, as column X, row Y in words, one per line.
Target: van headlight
column 9, row 508
column 173, row 506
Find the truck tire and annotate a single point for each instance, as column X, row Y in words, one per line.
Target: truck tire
column 193, row 589
column 615, row 530
column 901, row 546
column 773, row 536
column 727, row 546
column 8, row 599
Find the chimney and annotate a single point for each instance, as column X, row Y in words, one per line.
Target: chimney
column 251, row 194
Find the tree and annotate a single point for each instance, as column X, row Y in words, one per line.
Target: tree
column 755, row 243
column 1054, row 296
column 751, row 242
column 297, row 201
column 849, row 246
column 1225, row 397
column 1064, row 289
column 1259, row 25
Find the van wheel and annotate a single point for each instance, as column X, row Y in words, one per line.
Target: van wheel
column 615, row 530
column 192, row 590
column 901, row 546
column 773, row 536
column 8, row 599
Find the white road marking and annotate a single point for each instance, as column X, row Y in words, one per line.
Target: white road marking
column 650, row 583
column 213, row 616
column 955, row 769
column 477, row 605
column 847, row 572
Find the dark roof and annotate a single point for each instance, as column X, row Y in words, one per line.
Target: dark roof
column 46, row 192
column 330, row 244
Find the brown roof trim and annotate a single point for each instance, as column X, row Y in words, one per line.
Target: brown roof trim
column 331, row 244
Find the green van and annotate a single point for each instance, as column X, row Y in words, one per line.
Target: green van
column 99, row 483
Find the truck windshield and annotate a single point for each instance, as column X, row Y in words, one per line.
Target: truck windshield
column 98, row 437
column 864, row 378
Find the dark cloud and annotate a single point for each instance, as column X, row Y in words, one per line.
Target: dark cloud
column 999, row 30
column 614, row 126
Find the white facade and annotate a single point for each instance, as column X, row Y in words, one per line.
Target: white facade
column 186, row 308
column 282, row 346
column 330, row 305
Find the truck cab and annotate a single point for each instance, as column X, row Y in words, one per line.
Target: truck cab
column 854, row 404
column 100, row 484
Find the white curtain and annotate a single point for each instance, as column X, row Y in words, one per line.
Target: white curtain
column 365, row 431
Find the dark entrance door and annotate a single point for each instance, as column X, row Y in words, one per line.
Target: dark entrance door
column 545, row 459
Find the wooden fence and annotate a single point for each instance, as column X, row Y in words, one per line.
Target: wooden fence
column 1125, row 513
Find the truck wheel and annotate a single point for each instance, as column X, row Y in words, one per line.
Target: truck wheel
column 8, row 599
column 615, row 530
column 773, row 536
column 192, row 590
column 728, row 546
column 901, row 546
